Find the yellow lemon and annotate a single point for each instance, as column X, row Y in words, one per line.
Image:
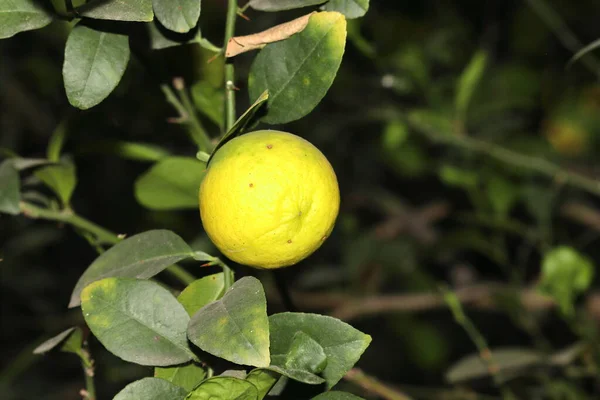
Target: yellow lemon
column 269, row 199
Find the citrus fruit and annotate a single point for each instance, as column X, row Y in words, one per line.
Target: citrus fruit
column 268, row 199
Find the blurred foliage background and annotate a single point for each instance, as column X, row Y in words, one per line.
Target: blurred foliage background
column 465, row 145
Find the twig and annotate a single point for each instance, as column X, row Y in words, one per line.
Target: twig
column 348, row 307
column 232, row 9
column 455, row 306
column 187, row 114
column 370, row 384
column 87, row 364
column 510, row 157
column 583, row 214
column 101, row 234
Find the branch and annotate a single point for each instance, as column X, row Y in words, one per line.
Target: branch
column 102, row 235
column 232, row 8
column 504, row 155
column 348, row 307
column 370, row 384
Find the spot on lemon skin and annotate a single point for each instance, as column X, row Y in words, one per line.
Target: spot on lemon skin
column 294, row 199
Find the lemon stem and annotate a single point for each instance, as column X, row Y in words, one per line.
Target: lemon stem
column 232, row 9
column 101, row 234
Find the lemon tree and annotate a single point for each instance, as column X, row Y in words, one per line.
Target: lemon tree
column 269, row 199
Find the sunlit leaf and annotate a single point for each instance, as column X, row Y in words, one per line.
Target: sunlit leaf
column 137, row 320
column 236, row 327
column 263, row 379
column 187, row 376
column 151, row 389
column 140, row 256
column 224, row 388
column 22, row 15
column 202, row 292
column 94, row 64
column 565, row 274
column 298, row 71
column 171, row 184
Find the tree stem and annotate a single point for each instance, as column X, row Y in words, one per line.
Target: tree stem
column 102, row 235
column 232, row 8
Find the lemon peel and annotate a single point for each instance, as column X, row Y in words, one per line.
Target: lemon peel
column 269, row 199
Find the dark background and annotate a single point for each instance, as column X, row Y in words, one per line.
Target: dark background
column 403, row 228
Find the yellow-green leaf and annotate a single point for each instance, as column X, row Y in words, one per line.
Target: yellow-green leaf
column 202, row 292
column 151, row 389
column 236, row 327
column 187, row 376
column 137, row 320
column 299, row 71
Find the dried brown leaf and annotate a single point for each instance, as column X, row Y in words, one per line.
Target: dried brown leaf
column 242, row 44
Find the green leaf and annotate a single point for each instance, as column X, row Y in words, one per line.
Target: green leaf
column 224, row 388
column 209, row 100
column 350, row 8
column 118, row 10
column 565, row 274
column 22, row 15
column 236, row 327
column 56, row 142
column 468, row 82
column 151, row 389
column 140, row 256
column 171, row 184
column 280, row 5
column 94, row 64
column 337, row 396
column 458, row 177
column 263, row 379
column 502, row 195
column 53, row 342
column 73, row 344
column 242, row 122
column 304, row 354
column 137, row 320
column 10, row 194
column 298, row 71
column 507, row 359
column 343, row 349
column 187, row 376
column 60, row 178
column 177, row 15
column 202, row 292
column 304, row 359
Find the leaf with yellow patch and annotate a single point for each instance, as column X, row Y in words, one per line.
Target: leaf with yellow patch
column 236, row 327
column 137, row 320
column 299, row 71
